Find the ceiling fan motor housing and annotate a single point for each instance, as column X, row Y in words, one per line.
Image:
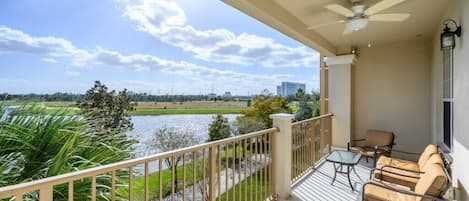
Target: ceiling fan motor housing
column 358, row 10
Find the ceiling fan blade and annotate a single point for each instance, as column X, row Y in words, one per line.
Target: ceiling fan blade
column 382, row 5
column 340, row 10
column 347, row 32
column 394, row 17
column 325, row 24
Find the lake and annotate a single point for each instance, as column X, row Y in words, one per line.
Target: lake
column 145, row 127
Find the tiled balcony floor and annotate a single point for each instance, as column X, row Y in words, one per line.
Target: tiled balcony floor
column 316, row 186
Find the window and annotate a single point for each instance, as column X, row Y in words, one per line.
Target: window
column 448, row 98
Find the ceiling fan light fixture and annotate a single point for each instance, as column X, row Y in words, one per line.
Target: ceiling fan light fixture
column 357, row 24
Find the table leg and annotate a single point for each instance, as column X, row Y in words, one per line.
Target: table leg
column 348, row 176
column 335, row 174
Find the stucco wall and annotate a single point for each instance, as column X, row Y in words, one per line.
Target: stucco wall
column 461, row 96
column 391, row 91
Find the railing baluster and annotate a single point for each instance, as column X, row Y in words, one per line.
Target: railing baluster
column 305, row 148
column 45, row 193
column 219, row 171
column 113, row 185
column 173, row 177
column 233, row 189
column 204, row 195
column 194, row 176
column 265, row 167
column 245, row 170
column 261, row 170
column 239, row 170
column 184, row 177
column 251, row 175
column 212, row 172
column 70, row 191
column 146, row 181
column 272, row 183
column 160, row 180
column 313, row 149
column 226, row 172
column 93, row 188
column 256, row 168
column 19, row 197
column 131, row 183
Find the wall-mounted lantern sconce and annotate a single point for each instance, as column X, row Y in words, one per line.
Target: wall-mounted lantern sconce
column 448, row 37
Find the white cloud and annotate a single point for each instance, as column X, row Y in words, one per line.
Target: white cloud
column 149, row 62
column 164, row 19
column 72, row 73
column 49, row 60
column 15, row 41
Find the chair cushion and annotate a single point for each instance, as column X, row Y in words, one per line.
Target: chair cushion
column 376, row 193
column 377, row 137
column 434, row 159
column 368, row 151
column 426, row 154
column 394, row 178
column 433, row 181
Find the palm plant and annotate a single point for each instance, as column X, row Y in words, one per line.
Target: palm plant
column 37, row 146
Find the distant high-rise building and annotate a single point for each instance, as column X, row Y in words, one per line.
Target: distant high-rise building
column 289, row 88
column 227, row 94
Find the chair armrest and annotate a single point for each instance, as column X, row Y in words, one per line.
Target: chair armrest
column 349, row 143
column 381, row 170
column 398, row 191
column 358, row 140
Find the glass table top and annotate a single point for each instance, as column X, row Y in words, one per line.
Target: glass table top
column 344, row 157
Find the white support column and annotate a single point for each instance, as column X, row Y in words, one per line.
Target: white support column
column 340, row 97
column 281, row 154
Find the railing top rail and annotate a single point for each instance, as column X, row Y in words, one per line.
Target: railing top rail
column 312, row 119
column 8, row 191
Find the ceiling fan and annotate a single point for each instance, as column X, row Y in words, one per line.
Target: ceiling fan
column 358, row 16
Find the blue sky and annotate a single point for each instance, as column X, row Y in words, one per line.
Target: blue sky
column 155, row 46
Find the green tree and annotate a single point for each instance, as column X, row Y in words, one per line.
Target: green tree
column 265, row 105
column 305, row 107
column 244, row 125
column 219, row 128
column 167, row 139
column 300, row 94
column 107, row 109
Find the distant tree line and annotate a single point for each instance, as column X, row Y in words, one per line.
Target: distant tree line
column 140, row 97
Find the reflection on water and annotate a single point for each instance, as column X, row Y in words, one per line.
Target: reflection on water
column 145, row 127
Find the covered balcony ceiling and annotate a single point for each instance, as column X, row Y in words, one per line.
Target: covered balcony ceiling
column 293, row 17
